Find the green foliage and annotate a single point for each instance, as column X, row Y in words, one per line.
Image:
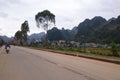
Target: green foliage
column 45, row 18
column 96, row 53
column 22, row 35
column 18, row 35
column 72, row 49
column 24, row 30
column 33, row 44
column 1, row 42
column 25, row 27
column 114, row 49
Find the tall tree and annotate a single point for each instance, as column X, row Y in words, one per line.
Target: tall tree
column 18, row 37
column 45, row 19
column 24, row 30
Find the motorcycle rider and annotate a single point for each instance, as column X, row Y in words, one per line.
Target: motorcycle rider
column 7, row 47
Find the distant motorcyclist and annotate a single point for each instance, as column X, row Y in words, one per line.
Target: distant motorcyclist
column 7, row 48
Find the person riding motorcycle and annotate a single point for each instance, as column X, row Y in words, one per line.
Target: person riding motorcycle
column 7, row 47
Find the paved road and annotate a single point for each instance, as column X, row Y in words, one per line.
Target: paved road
column 28, row 64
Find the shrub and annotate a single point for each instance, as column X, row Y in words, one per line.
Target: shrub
column 114, row 49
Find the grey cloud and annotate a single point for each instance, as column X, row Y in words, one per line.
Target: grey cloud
column 110, row 5
column 3, row 14
column 11, row 1
column 6, row 3
column 3, row 4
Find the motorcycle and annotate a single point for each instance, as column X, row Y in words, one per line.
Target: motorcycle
column 7, row 50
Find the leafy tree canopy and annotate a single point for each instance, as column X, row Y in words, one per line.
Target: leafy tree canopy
column 25, row 27
column 45, row 19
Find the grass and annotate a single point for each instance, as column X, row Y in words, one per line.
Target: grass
column 65, row 49
column 91, row 51
column 99, row 51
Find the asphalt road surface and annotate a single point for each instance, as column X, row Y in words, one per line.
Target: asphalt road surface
column 29, row 64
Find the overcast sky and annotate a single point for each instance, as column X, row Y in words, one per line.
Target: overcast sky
column 69, row 13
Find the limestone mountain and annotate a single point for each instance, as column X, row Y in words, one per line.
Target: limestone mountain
column 99, row 30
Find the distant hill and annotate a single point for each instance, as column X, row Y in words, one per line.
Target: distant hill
column 31, row 38
column 109, row 32
column 6, row 39
column 99, row 30
column 36, row 36
column 56, row 34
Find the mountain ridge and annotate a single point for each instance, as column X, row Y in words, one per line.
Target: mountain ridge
column 97, row 30
column 101, row 30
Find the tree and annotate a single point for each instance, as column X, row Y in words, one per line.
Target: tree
column 1, row 42
column 45, row 19
column 24, row 30
column 18, row 37
column 114, row 49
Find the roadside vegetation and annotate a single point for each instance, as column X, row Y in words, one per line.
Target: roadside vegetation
column 113, row 52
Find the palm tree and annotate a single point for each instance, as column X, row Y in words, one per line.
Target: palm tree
column 24, row 30
column 45, row 19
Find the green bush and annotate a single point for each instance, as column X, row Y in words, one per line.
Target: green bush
column 114, row 49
